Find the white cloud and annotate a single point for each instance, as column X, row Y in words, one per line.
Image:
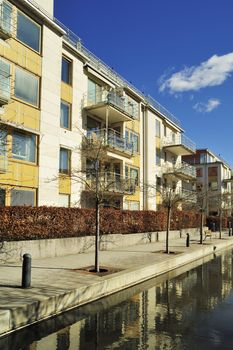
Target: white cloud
column 208, row 107
column 212, row 72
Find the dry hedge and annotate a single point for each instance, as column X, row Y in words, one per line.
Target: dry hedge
column 24, row 223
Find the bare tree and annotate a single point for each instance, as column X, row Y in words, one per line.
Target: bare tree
column 97, row 181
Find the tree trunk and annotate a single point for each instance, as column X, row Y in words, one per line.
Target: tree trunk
column 97, row 236
column 201, row 227
column 168, row 229
column 220, row 224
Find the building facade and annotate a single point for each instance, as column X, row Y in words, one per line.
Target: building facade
column 214, row 178
column 54, row 93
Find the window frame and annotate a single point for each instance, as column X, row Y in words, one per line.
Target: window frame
column 67, row 59
column 21, row 158
column 69, row 161
column 40, row 34
column 129, row 139
column 69, row 114
column 38, row 88
column 24, row 189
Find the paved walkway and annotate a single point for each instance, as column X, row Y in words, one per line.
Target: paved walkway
column 57, row 285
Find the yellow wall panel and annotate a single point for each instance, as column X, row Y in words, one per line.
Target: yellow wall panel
column 66, row 92
column 134, row 197
column 133, row 125
column 22, row 115
column 65, row 185
column 20, row 174
column 22, row 56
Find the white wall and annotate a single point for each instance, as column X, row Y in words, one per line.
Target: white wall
column 50, row 118
column 47, row 5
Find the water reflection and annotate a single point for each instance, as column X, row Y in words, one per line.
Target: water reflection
column 193, row 310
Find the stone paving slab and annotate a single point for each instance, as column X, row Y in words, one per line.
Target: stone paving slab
column 57, row 285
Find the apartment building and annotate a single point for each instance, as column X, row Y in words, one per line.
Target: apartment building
column 54, row 93
column 213, row 177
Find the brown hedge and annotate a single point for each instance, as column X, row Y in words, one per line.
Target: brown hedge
column 24, row 223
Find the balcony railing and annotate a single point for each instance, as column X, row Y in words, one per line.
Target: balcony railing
column 110, row 183
column 182, row 169
column 111, row 138
column 179, row 140
column 114, row 99
column 5, row 86
column 7, row 23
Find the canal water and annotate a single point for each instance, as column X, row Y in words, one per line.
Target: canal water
column 181, row 310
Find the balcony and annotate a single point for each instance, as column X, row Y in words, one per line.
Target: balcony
column 179, row 145
column 182, row 170
column 5, row 84
column 111, row 106
column 6, row 20
column 111, row 183
column 111, row 140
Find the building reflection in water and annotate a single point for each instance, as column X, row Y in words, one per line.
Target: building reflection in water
column 193, row 308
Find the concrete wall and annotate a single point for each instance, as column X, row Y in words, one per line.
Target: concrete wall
column 45, row 248
column 47, row 5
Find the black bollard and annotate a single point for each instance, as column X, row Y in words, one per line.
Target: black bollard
column 187, row 239
column 230, row 232
column 157, row 236
column 26, row 271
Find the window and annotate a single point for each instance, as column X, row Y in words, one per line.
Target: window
column 133, row 138
column 23, row 197
column 93, row 92
column 66, row 71
column 165, row 156
column 202, row 158
column 65, row 115
column 64, row 200
column 132, row 205
column 213, row 171
column 157, row 128
column 131, row 106
column 64, row 167
column 2, row 197
column 6, row 17
column 199, row 172
column 165, row 131
column 133, row 174
column 158, row 156
column 24, row 146
column 213, row 185
column 28, row 31
column 4, row 80
column 26, row 86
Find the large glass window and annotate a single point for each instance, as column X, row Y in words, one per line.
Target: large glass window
column 158, row 156
column 132, row 137
column 64, row 200
column 93, row 92
column 6, row 17
column 26, row 86
column 4, row 80
column 157, row 128
column 28, row 31
column 203, row 158
column 66, row 71
column 64, row 167
column 22, row 197
column 65, row 115
column 24, row 146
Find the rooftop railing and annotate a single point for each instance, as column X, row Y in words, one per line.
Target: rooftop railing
column 75, row 41
column 179, row 139
column 112, row 139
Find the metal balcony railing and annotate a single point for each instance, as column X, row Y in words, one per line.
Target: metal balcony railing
column 179, row 139
column 112, row 139
column 5, row 86
column 110, row 182
column 7, row 22
column 114, row 99
column 181, row 168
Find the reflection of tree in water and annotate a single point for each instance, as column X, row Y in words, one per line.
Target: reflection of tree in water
column 182, row 302
column 114, row 328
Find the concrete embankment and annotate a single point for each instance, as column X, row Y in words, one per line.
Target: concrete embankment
column 61, row 283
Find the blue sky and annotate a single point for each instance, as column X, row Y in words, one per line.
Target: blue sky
column 178, row 51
